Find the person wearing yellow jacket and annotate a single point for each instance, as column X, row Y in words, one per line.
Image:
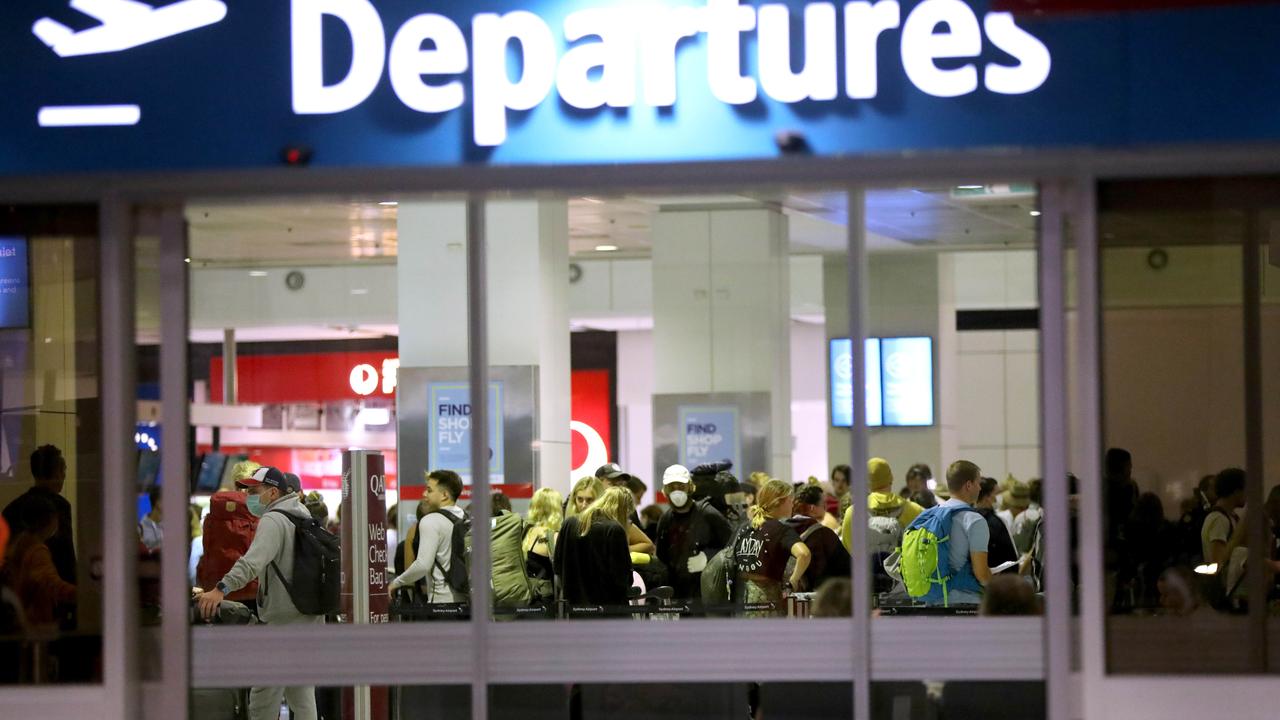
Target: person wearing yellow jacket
column 882, row 503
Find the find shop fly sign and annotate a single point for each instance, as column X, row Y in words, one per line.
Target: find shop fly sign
column 709, row 434
column 451, row 426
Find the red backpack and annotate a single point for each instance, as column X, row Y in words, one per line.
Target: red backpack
column 228, row 531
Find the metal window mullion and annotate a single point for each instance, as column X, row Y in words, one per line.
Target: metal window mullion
column 861, row 574
column 1053, row 438
column 175, row 587
column 1087, row 461
column 1259, row 538
column 478, row 374
column 119, row 407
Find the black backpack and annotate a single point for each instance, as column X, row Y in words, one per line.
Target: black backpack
column 458, row 576
column 317, row 567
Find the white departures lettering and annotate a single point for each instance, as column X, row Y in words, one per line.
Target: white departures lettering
column 635, row 48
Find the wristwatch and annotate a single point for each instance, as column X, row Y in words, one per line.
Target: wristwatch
column 222, row 588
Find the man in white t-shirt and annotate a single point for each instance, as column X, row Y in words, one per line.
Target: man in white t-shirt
column 1220, row 523
column 434, row 553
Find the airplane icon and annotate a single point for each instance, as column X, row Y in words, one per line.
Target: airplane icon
column 126, row 24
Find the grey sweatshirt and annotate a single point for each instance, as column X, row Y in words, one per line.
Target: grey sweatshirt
column 273, row 542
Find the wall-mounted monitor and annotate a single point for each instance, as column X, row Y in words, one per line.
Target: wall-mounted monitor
column 209, row 472
column 15, row 284
column 899, row 381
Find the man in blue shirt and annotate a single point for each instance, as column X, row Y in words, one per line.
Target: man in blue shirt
column 969, row 536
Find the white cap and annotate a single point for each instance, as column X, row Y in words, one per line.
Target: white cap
column 675, row 474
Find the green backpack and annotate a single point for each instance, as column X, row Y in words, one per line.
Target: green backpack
column 924, row 561
column 510, row 581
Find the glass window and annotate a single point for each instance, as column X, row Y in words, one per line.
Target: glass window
column 50, row 446
column 952, row 387
column 658, row 365
column 1184, row 345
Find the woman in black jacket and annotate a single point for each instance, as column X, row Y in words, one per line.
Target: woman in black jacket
column 1000, row 547
column 592, row 557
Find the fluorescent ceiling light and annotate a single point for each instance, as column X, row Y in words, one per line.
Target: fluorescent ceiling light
column 1035, row 213
column 606, row 248
column 258, row 273
column 388, row 203
column 88, row 115
column 373, row 416
column 359, row 291
column 970, row 187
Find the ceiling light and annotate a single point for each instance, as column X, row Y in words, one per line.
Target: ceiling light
column 373, row 416
column 606, row 248
column 186, row 260
column 388, row 203
column 594, row 201
column 1035, row 213
column 359, row 291
column 258, row 273
column 970, row 187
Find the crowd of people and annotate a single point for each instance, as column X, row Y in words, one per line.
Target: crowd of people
column 1196, row 564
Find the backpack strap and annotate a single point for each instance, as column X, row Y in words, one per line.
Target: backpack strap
column 297, row 525
column 810, row 531
column 453, row 521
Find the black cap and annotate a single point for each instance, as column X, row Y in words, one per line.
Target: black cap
column 293, row 482
column 266, row 476
column 611, row 471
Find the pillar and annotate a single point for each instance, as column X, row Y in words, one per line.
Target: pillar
column 528, row 288
column 721, row 309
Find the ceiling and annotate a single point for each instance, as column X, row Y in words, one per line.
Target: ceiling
column 334, row 230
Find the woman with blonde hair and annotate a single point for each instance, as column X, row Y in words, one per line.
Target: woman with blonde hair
column 762, row 549
column 592, row 558
column 585, row 492
column 544, row 518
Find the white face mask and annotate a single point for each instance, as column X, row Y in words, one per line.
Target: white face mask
column 679, row 498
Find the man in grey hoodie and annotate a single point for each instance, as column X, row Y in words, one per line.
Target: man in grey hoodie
column 271, row 551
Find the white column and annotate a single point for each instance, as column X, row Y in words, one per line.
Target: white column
column 721, row 308
column 528, row 275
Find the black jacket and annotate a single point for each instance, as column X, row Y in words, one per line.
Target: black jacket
column 594, row 569
column 1000, row 548
column 681, row 536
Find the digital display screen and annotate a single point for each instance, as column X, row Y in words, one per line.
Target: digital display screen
column 210, row 472
column 15, row 284
column 907, row 381
column 842, row 383
column 899, row 382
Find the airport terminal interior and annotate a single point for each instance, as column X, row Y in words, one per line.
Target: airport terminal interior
column 671, row 430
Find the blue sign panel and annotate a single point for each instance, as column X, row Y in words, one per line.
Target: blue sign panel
column 709, row 434
column 907, row 372
column 841, row 363
column 449, row 446
column 190, row 84
column 15, row 284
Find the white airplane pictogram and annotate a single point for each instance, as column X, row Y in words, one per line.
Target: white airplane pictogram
column 126, row 24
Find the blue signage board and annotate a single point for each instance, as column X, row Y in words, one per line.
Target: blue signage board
column 111, row 85
column 449, row 444
column 907, row 380
column 15, row 284
column 709, row 434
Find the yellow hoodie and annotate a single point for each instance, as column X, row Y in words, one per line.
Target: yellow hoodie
column 880, row 502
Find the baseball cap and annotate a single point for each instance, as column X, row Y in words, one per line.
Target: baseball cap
column 294, row 482
column 610, row 471
column 266, row 476
column 676, row 474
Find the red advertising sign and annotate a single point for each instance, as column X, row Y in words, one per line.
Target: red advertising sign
column 592, row 405
column 312, row 377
